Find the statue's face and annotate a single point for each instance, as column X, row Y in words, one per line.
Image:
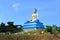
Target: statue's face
column 35, row 10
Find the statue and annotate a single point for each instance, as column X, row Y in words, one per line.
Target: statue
column 34, row 23
column 34, row 15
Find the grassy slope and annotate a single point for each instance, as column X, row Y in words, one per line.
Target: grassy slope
column 34, row 35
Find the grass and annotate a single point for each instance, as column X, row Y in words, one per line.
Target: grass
column 34, row 35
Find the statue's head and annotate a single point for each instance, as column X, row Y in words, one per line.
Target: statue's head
column 35, row 10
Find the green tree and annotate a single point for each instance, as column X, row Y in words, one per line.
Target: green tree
column 51, row 29
column 3, row 27
column 10, row 27
column 54, row 31
column 13, row 28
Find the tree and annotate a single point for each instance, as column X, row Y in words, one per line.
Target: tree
column 13, row 28
column 21, row 28
column 3, row 27
column 10, row 27
column 51, row 29
column 54, row 31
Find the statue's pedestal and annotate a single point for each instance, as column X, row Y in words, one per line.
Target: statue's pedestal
column 35, row 25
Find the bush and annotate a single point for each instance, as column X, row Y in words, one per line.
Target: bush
column 51, row 29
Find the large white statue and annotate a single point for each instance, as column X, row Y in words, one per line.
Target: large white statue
column 34, row 15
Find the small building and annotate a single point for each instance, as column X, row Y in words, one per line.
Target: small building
column 34, row 23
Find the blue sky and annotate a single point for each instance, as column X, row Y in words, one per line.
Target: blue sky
column 20, row 11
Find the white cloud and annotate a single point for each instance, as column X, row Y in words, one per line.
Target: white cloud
column 16, row 6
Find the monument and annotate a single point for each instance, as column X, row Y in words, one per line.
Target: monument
column 34, row 23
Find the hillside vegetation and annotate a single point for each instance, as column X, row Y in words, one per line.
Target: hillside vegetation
column 31, row 35
column 13, row 32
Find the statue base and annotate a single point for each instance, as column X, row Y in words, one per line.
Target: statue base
column 34, row 25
